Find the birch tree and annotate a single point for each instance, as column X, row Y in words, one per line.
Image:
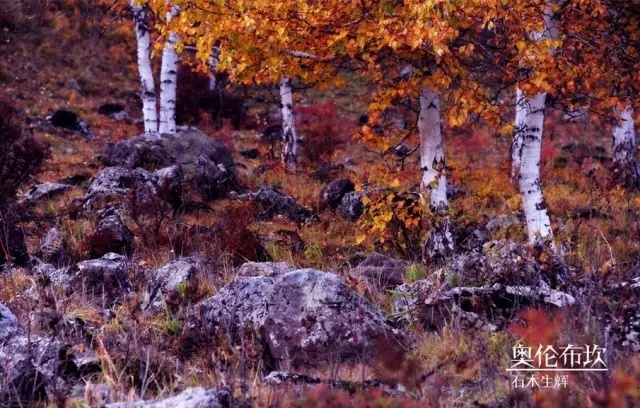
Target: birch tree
column 434, row 182
column 169, row 78
column 289, row 134
column 527, row 146
column 147, row 83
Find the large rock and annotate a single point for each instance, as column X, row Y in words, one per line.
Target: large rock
column 189, row 398
column 305, row 317
column 351, row 206
column 29, row 368
column 45, row 191
column 54, row 248
column 8, row 324
column 110, row 235
column 107, row 276
column 201, row 158
column 214, row 180
column 167, row 280
column 333, row 192
column 137, row 190
column 274, row 202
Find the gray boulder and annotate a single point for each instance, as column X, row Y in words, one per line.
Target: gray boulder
column 8, row 324
column 305, row 317
column 166, row 280
column 135, row 190
column 351, row 206
column 190, row 398
column 274, row 202
column 108, row 276
column 333, row 192
column 54, row 248
column 110, row 235
column 190, row 149
column 44, row 191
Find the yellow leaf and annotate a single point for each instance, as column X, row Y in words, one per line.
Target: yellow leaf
column 395, row 183
column 360, row 239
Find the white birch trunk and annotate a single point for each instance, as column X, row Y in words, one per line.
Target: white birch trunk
column 527, row 148
column 289, row 136
column 434, row 182
column 168, row 79
column 214, row 60
column 624, row 137
column 531, row 116
column 147, row 84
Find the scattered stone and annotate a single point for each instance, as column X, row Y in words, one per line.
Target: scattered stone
column 45, row 191
column 8, row 324
column 114, row 111
column 189, row 398
column 351, row 207
column 110, row 235
column 333, row 192
column 69, row 120
column 166, row 280
column 383, row 270
column 48, row 273
column 108, row 276
column 274, row 202
column 304, row 317
column 54, row 248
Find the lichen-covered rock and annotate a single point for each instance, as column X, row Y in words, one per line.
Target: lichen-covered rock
column 263, row 269
column 166, row 280
column 108, row 276
column 44, row 191
column 168, row 182
column 190, row 398
column 110, row 235
column 333, row 192
column 8, row 324
column 29, row 369
column 351, row 207
column 153, row 152
column 54, row 248
column 274, row 202
column 213, row 179
column 304, row 317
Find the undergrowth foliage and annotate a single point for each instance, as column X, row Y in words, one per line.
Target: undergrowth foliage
column 321, row 129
